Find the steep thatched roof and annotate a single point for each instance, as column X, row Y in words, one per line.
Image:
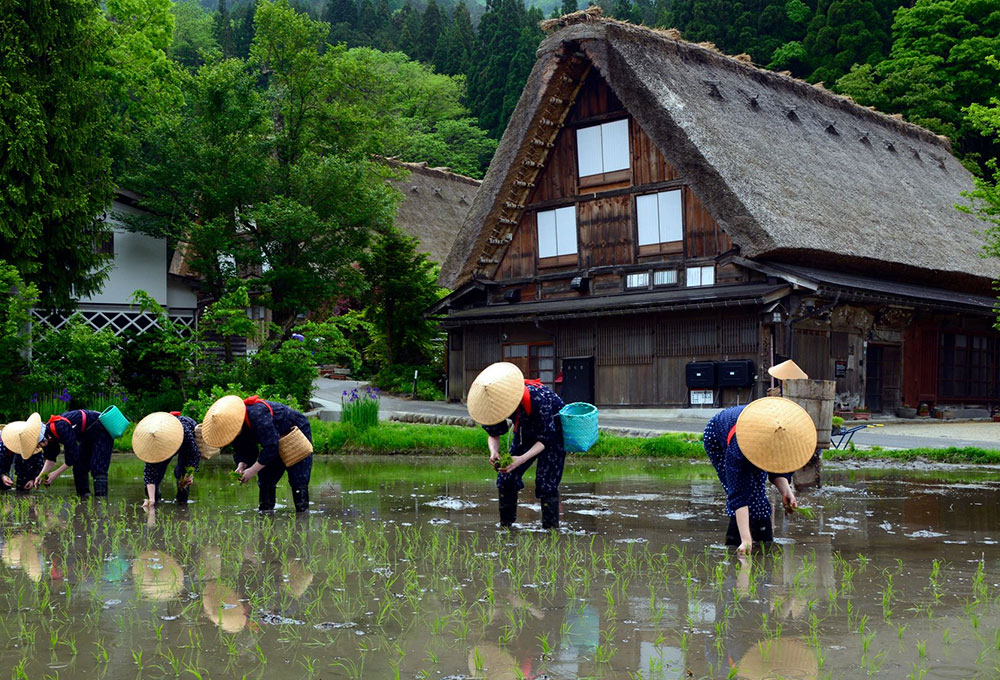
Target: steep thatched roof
column 791, row 171
column 434, row 206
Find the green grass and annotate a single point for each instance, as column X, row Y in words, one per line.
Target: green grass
column 951, row 454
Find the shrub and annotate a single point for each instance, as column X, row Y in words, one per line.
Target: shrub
column 399, row 380
column 76, row 360
column 291, row 369
column 198, row 406
column 340, row 340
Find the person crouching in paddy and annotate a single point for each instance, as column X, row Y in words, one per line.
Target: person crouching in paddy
column 268, row 438
column 769, row 438
column 27, row 460
column 501, row 392
column 86, row 448
column 157, row 439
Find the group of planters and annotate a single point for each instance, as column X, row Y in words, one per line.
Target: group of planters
column 268, row 439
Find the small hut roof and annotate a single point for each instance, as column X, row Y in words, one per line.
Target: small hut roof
column 791, row 171
column 434, row 206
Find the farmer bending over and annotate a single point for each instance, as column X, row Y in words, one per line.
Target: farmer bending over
column 27, row 460
column 157, row 439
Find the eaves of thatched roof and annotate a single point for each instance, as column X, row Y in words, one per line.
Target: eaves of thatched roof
column 434, row 206
column 791, row 171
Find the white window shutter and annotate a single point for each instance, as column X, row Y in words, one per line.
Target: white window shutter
column 566, row 231
column 647, row 219
column 588, row 151
column 671, row 220
column 614, row 141
column 547, row 234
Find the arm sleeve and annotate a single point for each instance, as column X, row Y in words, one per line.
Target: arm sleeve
column 6, row 459
column 153, row 472
column 498, row 430
column 244, row 448
column 771, row 476
column 190, row 453
column 549, row 432
column 262, row 424
column 714, row 444
column 739, row 477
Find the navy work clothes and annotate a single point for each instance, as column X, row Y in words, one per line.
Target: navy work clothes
column 535, row 420
column 24, row 470
column 264, row 425
column 188, row 456
column 745, row 483
column 86, row 446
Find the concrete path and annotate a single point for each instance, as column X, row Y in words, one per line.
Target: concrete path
column 893, row 433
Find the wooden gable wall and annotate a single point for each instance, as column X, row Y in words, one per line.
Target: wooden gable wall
column 605, row 221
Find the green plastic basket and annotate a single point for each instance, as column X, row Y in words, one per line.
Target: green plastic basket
column 579, row 423
column 114, row 421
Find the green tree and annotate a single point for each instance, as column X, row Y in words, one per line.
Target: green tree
column 57, row 132
column 402, row 283
column 454, row 50
column 431, row 27
column 224, row 30
column 194, row 33
column 243, row 29
column 937, row 67
column 847, row 32
column 15, row 319
column 568, row 6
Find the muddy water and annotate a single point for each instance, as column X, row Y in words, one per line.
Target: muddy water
column 399, row 571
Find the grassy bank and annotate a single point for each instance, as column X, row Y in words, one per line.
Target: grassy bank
column 413, row 438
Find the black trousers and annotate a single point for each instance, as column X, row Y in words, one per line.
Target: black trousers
column 760, row 531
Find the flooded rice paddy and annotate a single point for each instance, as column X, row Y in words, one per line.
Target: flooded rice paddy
column 399, row 571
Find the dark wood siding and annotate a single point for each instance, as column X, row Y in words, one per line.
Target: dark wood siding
column 703, row 236
column 605, row 231
column 594, row 99
column 558, row 178
column 519, row 261
column 648, row 164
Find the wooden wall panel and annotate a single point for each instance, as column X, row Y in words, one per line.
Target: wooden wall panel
column 519, row 260
column 625, row 385
column 594, row 99
column 558, row 178
column 605, row 232
column 703, row 236
column 648, row 164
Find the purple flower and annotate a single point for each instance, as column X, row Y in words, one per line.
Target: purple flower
column 298, row 336
column 124, row 400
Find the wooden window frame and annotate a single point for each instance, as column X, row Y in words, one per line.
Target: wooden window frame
column 602, row 178
column 663, row 247
column 991, row 353
column 568, row 259
column 532, row 362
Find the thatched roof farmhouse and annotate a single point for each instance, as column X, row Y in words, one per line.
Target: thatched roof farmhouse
column 655, row 203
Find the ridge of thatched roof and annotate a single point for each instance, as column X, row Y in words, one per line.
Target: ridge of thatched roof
column 788, row 169
column 434, row 205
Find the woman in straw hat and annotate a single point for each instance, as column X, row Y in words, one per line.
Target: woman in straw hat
column 767, row 439
column 254, row 427
column 87, row 448
column 501, row 392
column 27, row 466
column 157, row 439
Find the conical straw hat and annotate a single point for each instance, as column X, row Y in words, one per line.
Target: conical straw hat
column 157, row 437
column 778, row 658
column 223, row 421
column 207, row 452
column 495, row 393
column 787, row 370
column 299, row 578
column 776, row 434
column 157, row 575
column 210, row 563
column 222, row 606
column 22, row 552
column 21, row 436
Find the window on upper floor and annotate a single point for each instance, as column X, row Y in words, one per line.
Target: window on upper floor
column 557, row 236
column 660, row 222
column 602, row 152
column 637, row 280
column 700, row 276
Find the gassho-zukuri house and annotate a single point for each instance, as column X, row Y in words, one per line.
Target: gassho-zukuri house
column 655, row 204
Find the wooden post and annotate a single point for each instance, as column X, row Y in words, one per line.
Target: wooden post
column 816, row 397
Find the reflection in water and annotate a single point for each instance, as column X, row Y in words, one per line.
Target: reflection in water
column 383, row 577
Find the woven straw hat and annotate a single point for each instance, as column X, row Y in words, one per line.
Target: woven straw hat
column 223, row 421
column 776, row 434
column 299, row 578
column 495, row 393
column 21, row 436
column 222, row 607
column 780, row 658
column 157, row 437
column 787, row 370
column 157, row 575
column 24, row 552
column 207, row 452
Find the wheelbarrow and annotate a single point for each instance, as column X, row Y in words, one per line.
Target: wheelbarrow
column 842, row 439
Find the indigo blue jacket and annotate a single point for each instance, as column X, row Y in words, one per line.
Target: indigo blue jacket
column 541, row 425
column 71, row 434
column 189, row 455
column 262, row 430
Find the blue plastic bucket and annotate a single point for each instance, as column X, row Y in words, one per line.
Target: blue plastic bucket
column 579, row 423
column 114, row 421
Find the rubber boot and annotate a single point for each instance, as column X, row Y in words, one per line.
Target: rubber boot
column 301, row 497
column 183, row 494
column 268, row 496
column 101, row 486
column 508, row 508
column 82, row 484
column 550, row 512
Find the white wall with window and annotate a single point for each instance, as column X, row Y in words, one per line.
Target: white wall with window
column 602, row 148
column 557, row 232
column 700, row 276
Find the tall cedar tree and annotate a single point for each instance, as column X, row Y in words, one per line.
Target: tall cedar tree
column 243, row 29
column 224, row 30
column 402, row 283
column 431, row 26
column 847, row 32
column 56, row 160
column 454, row 50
